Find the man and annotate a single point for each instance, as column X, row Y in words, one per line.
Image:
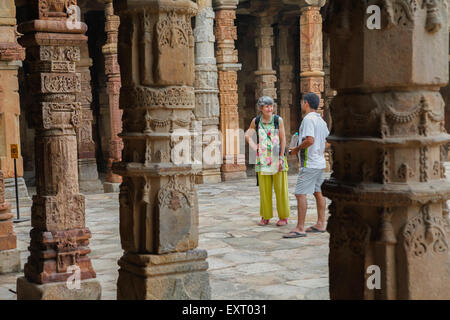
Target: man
column 313, row 133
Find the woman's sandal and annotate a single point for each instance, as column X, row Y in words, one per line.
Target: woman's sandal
column 263, row 222
column 282, row 222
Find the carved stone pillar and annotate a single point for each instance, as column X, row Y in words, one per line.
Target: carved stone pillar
column 112, row 71
column 11, row 56
column 388, row 187
column 59, row 245
column 265, row 75
column 87, row 163
column 158, row 199
column 227, row 63
column 286, row 77
column 207, row 109
column 9, row 255
column 329, row 94
column 311, row 50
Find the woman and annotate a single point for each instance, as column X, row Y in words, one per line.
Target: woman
column 271, row 165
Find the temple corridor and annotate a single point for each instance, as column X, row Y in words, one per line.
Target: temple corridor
column 119, row 119
column 246, row 261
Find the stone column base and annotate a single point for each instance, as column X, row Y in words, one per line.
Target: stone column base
column 88, row 176
column 10, row 191
column 91, row 186
column 89, row 290
column 208, row 176
column 234, row 172
column 237, row 175
column 173, row 276
column 10, row 261
column 110, row 187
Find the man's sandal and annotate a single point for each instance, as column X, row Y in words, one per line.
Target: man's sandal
column 294, row 234
column 313, row 229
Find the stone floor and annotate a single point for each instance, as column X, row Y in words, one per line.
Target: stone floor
column 245, row 261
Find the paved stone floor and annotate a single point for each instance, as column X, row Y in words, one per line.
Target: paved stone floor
column 245, row 261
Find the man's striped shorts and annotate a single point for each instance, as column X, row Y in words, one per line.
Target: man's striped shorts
column 309, row 181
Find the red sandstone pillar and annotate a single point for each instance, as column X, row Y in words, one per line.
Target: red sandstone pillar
column 227, row 63
column 311, row 51
column 59, row 245
column 112, row 71
column 11, row 56
column 388, row 187
column 87, row 163
column 9, row 255
column 158, row 200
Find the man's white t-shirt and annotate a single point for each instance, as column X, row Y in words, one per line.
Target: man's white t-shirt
column 313, row 126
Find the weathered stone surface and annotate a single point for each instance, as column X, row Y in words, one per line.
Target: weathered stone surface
column 208, row 177
column 9, row 261
column 59, row 238
column 227, row 63
column 113, row 85
column 286, row 76
column 207, row 108
column 9, row 256
column 88, row 175
column 109, row 187
column 11, row 56
column 311, row 52
column 10, row 191
column 173, row 276
column 265, row 75
column 87, row 165
column 89, row 290
column 233, row 175
column 158, row 201
column 388, row 186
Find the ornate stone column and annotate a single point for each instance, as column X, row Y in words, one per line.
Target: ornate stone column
column 227, row 64
column 286, row 77
column 158, row 199
column 329, row 94
column 112, row 71
column 311, row 50
column 388, row 187
column 207, row 109
column 87, row 163
column 9, row 255
column 11, row 56
column 265, row 75
column 59, row 245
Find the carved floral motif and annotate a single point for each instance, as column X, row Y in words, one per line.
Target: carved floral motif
column 170, row 194
column 348, row 230
column 425, row 234
column 54, row 8
column 171, row 97
column 61, row 83
column 173, row 31
column 63, row 53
